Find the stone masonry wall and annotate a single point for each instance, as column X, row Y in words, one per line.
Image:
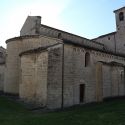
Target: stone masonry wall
column 69, row 75
column 54, row 85
column 33, row 87
column 110, row 78
column 76, row 73
column 51, row 32
column 109, row 42
column 113, row 81
column 107, row 81
column 31, row 26
column 99, row 82
column 113, row 42
column 14, row 47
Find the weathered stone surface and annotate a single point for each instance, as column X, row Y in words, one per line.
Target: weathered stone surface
column 14, row 48
column 33, row 86
column 57, row 69
column 54, row 84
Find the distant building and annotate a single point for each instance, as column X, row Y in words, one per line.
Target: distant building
column 56, row 69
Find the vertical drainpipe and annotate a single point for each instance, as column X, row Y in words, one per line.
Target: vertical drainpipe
column 62, row 75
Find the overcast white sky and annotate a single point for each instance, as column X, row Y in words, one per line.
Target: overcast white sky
column 88, row 18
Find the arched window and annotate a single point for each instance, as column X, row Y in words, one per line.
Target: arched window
column 87, row 59
column 121, row 16
column 122, row 74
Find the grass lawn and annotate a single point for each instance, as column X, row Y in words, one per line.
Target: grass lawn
column 107, row 113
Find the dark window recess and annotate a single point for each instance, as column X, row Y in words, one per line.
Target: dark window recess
column 81, row 93
column 121, row 16
column 87, row 59
column 108, row 38
column 1, row 54
column 59, row 35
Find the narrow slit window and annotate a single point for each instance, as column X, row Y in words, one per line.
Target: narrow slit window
column 87, row 59
column 1, row 54
column 121, row 16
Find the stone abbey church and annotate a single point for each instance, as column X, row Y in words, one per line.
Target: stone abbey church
column 55, row 69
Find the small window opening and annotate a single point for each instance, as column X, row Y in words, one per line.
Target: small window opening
column 122, row 74
column 59, row 35
column 1, row 54
column 108, row 38
column 87, row 59
column 121, row 16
